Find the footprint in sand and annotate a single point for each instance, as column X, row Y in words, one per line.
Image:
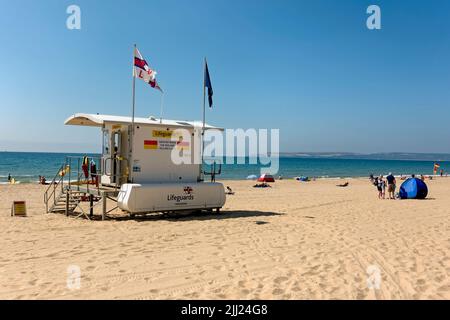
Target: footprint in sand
column 279, row 280
column 32, row 282
column 90, row 268
column 439, row 278
column 277, row 292
column 358, row 278
column 219, row 268
column 421, row 282
column 445, row 288
column 245, row 291
column 242, row 283
column 360, row 295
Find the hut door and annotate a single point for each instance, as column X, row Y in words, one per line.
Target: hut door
column 106, row 154
column 116, row 156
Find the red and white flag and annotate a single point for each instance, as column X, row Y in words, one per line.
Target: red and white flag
column 143, row 71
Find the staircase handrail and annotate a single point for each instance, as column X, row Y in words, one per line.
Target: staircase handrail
column 54, row 183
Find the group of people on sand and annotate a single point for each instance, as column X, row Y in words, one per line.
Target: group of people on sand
column 262, row 185
column 42, row 180
column 381, row 183
column 11, row 180
column 422, row 177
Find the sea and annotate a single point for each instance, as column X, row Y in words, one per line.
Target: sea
column 26, row 167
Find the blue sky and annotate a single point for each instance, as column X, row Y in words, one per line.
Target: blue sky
column 310, row 68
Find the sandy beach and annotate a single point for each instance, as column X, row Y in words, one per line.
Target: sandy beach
column 292, row 241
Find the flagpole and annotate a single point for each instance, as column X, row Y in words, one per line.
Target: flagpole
column 203, row 126
column 204, row 94
column 162, row 104
column 132, row 123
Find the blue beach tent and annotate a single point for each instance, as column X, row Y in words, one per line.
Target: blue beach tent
column 413, row 188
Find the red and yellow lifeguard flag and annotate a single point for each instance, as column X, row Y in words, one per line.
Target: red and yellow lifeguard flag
column 143, row 71
column 436, row 167
column 150, row 144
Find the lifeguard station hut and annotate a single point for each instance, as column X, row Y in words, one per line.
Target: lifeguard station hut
column 136, row 170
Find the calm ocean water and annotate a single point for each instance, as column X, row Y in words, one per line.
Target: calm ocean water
column 26, row 167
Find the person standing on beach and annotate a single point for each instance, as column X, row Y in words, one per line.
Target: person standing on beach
column 391, row 185
column 381, row 186
column 9, row 177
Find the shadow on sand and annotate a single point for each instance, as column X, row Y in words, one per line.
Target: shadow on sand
column 198, row 216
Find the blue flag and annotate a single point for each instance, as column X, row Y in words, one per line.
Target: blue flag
column 207, row 83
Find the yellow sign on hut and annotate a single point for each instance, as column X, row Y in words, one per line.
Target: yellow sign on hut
column 19, row 208
column 162, row 134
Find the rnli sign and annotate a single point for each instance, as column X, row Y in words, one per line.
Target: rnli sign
column 165, row 140
column 182, row 199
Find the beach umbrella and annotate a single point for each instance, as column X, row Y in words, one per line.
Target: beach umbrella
column 413, row 188
column 266, row 178
column 252, row 177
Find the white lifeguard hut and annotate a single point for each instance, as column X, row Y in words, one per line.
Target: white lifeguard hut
column 137, row 169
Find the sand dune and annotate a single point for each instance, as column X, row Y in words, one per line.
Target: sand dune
column 293, row 241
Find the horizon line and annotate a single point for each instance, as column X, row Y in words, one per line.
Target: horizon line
column 298, row 153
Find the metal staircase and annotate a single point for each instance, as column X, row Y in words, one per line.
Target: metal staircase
column 70, row 186
column 54, row 190
column 59, row 197
column 61, row 204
